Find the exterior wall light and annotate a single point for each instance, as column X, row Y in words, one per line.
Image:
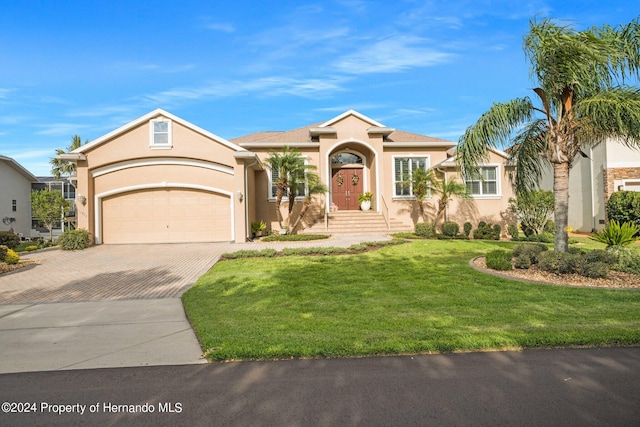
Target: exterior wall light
column 240, row 196
column 82, row 199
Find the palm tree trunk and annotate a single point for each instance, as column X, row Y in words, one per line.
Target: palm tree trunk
column 279, row 193
column 303, row 211
column 561, row 207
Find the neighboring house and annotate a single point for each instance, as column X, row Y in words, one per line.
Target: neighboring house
column 68, row 218
column 15, row 199
column 599, row 172
column 160, row 178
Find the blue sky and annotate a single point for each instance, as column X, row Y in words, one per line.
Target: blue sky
column 234, row 68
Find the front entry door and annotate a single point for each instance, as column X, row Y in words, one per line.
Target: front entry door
column 346, row 187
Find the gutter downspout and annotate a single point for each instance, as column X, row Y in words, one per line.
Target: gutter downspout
column 593, row 201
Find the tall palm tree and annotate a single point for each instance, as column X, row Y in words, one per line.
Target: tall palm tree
column 291, row 173
column 420, row 183
column 583, row 99
column 65, row 167
column 313, row 187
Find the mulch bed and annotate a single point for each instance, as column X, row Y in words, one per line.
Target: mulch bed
column 7, row 268
column 614, row 280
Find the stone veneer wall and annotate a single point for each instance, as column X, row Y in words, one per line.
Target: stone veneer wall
column 612, row 174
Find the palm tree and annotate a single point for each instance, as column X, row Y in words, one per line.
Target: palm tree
column 447, row 189
column 314, row 186
column 290, row 175
column 583, row 99
column 420, row 181
column 65, row 167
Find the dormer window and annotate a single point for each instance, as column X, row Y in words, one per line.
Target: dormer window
column 160, row 133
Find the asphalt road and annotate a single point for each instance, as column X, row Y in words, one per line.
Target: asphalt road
column 580, row 387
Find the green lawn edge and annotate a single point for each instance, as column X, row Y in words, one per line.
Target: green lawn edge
column 420, row 297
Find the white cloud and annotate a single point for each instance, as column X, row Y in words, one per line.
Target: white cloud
column 224, row 27
column 61, row 129
column 4, row 92
column 267, row 86
column 392, row 55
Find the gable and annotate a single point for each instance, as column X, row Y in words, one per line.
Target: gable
column 154, row 135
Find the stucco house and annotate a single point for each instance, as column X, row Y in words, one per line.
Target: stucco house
column 602, row 170
column 160, row 178
column 15, row 199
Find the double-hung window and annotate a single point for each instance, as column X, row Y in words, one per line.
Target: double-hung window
column 486, row 184
column 301, row 188
column 403, row 168
column 160, row 133
column 14, row 206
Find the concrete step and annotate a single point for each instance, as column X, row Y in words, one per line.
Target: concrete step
column 356, row 222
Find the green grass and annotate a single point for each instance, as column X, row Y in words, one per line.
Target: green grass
column 413, row 298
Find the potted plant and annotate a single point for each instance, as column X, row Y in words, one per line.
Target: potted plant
column 365, row 201
column 257, row 228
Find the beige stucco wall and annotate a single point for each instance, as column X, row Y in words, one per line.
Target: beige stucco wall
column 14, row 186
column 114, row 164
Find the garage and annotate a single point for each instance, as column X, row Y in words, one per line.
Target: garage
column 166, row 215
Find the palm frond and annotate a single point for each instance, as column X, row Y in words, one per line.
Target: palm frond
column 527, row 156
column 493, row 130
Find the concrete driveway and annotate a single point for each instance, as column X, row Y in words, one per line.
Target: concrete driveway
column 110, row 305
column 106, row 306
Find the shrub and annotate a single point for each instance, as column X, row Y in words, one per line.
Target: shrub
column 624, row 206
column 74, row 240
column 512, row 230
column 314, row 251
column 31, row 248
column 11, row 257
column 294, row 237
column 550, row 227
column 249, row 253
column 628, row 261
column 522, row 261
column 3, row 252
column 450, row 228
column 9, row 239
column 616, row 234
column 531, row 251
column 486, row 232
column 599, row 255
column 592, row 269
column 467, row 227
column 499, row 259
column 497, row 230
column 558, row 262
column 533, row 209
column 425, row 229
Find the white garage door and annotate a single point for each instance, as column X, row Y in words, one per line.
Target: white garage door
column 166, row 216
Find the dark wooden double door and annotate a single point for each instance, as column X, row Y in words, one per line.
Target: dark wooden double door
column 346, row 187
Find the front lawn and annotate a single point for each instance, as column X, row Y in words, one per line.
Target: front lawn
column 411, row 298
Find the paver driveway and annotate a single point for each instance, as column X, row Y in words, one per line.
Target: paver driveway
column 110, row 272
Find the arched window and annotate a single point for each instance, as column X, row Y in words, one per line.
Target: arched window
column 346, row 159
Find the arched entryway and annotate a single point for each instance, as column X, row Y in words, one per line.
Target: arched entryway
column 347, row 180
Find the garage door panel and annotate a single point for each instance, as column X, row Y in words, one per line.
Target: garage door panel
column 166, row 216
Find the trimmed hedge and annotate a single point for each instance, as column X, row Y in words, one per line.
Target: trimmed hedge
column 425, row 229
column 624, row 206
column 75, row 240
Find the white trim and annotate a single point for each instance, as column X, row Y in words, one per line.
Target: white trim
column 103, row 170
column 152, row 134
column 419, row 144
column 636, row 181
column 331, row 151
column 616, row 165
column 279, row 144
column 144, row 119
column 395, row 196
column 498, row 194
column 98, row 201
column 352, row 113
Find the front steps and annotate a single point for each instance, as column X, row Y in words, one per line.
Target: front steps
column 356, row 222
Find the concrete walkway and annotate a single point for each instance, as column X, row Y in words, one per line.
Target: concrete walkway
column 111, row 305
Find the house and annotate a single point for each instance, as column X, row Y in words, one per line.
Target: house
column 15, row 199
column 596, row 174
column 160, row 178
column 66, row 187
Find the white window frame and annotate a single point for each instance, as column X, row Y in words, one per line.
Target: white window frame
column 498, row 193
column 427, row 162
column 272, row 197
column 152, row 134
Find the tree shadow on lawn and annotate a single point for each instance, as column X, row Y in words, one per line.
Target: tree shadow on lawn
column 117, row 285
